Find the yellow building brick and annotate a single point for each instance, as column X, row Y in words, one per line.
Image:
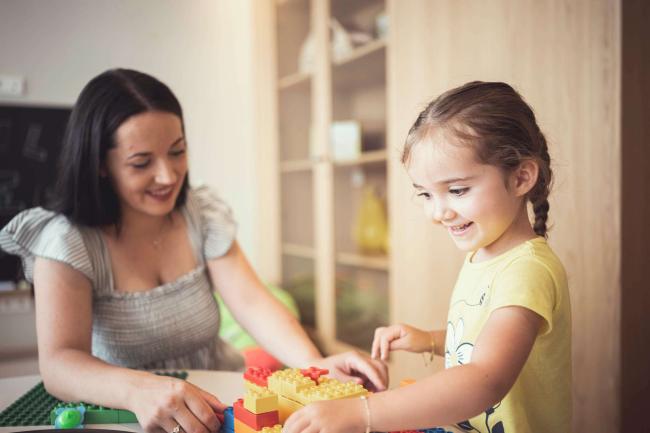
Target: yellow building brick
column 286, row 407
column 260, row 400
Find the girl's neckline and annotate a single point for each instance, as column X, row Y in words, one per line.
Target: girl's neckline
column 512, row 251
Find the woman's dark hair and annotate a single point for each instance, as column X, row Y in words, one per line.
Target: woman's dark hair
column 106, row 102
column 497, row 122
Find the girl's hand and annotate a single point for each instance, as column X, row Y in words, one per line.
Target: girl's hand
column 399, row 337
column 162, row 403
column 370, row 373
column 333, row 416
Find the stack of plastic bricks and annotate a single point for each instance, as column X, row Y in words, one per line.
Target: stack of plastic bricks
column 258, row 411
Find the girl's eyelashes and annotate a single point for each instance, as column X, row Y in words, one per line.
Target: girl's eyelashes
column 177, row 152
column 426, row 195
column 458, row 191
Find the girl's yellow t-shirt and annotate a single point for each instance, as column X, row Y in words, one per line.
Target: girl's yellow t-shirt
column 531, row 276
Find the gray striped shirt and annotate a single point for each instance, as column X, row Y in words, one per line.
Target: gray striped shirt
column 173, row 326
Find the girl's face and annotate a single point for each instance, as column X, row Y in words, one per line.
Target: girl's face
column 148, row 164
column 468, row 198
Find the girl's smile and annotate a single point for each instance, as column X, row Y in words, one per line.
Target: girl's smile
column 482, row 208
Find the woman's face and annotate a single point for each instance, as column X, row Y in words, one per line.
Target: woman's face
column 148, row 164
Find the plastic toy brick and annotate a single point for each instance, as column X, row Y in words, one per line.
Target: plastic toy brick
column 70, row 417
column 125, row 416
column 314, row 373
column 35, row 408
column 254, row 421
column 290, row 383
column 94, row 414
column 275, row 429
column 257, row 375
column 261, row 400
column 286, row 407
column 333, row 389
column 98, row 414
column 228, row 424
column 254, row 387
column 434, row 430
column 240, row 427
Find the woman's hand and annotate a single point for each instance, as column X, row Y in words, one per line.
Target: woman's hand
column 370, row 373
column 333, row 416
column 162, row 403
column 400, row 337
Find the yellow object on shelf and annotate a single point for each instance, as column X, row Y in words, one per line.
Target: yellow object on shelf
column 371, row 228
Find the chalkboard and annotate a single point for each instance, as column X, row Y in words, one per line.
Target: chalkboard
column 30, row 145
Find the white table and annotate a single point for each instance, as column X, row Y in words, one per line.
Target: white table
column 227, row 385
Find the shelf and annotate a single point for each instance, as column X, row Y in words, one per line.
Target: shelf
column 296, row 166
column 296, row 250
column 378, row 263
column 294, row 81
column 371, row 157
column 372, row 47
column 363, row 67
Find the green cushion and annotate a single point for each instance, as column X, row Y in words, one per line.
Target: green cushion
column 235, row 334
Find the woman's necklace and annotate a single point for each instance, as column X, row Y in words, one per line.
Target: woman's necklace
column 158, row 241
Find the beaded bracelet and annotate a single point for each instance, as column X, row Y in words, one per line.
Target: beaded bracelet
column 430, row 354
column 365, row 401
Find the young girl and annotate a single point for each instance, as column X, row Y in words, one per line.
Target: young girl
column 477, row 158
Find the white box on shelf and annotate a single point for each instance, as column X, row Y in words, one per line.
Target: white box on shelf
column 345, row 140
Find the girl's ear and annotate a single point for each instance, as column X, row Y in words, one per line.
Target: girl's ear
column 525, row 177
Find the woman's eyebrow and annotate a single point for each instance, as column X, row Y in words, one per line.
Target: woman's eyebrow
column 178, row 140
column 136, row 155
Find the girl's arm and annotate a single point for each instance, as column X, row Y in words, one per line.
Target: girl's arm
column 70, row 372
column 444, row 398
column 273, row 326
column 406, row 337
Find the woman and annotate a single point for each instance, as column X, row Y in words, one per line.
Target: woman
column 125, row 261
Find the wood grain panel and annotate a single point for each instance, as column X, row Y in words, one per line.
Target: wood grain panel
column 564, row 57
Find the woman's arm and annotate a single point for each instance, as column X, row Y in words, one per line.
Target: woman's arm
column 273, row 326
column 70, row 372
column 444, row 398
column 263, row 316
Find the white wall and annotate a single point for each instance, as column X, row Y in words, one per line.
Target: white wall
column 202, row 49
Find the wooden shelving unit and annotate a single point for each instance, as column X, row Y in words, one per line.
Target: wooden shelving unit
column 319, row 201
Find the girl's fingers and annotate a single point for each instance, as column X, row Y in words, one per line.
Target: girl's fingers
column 385, row 347
column 296, row 423
column 376, row 342
column 374, row 350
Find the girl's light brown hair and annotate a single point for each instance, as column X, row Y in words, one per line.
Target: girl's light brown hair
column 500, row 125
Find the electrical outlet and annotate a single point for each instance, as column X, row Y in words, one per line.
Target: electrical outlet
column 12, row 85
